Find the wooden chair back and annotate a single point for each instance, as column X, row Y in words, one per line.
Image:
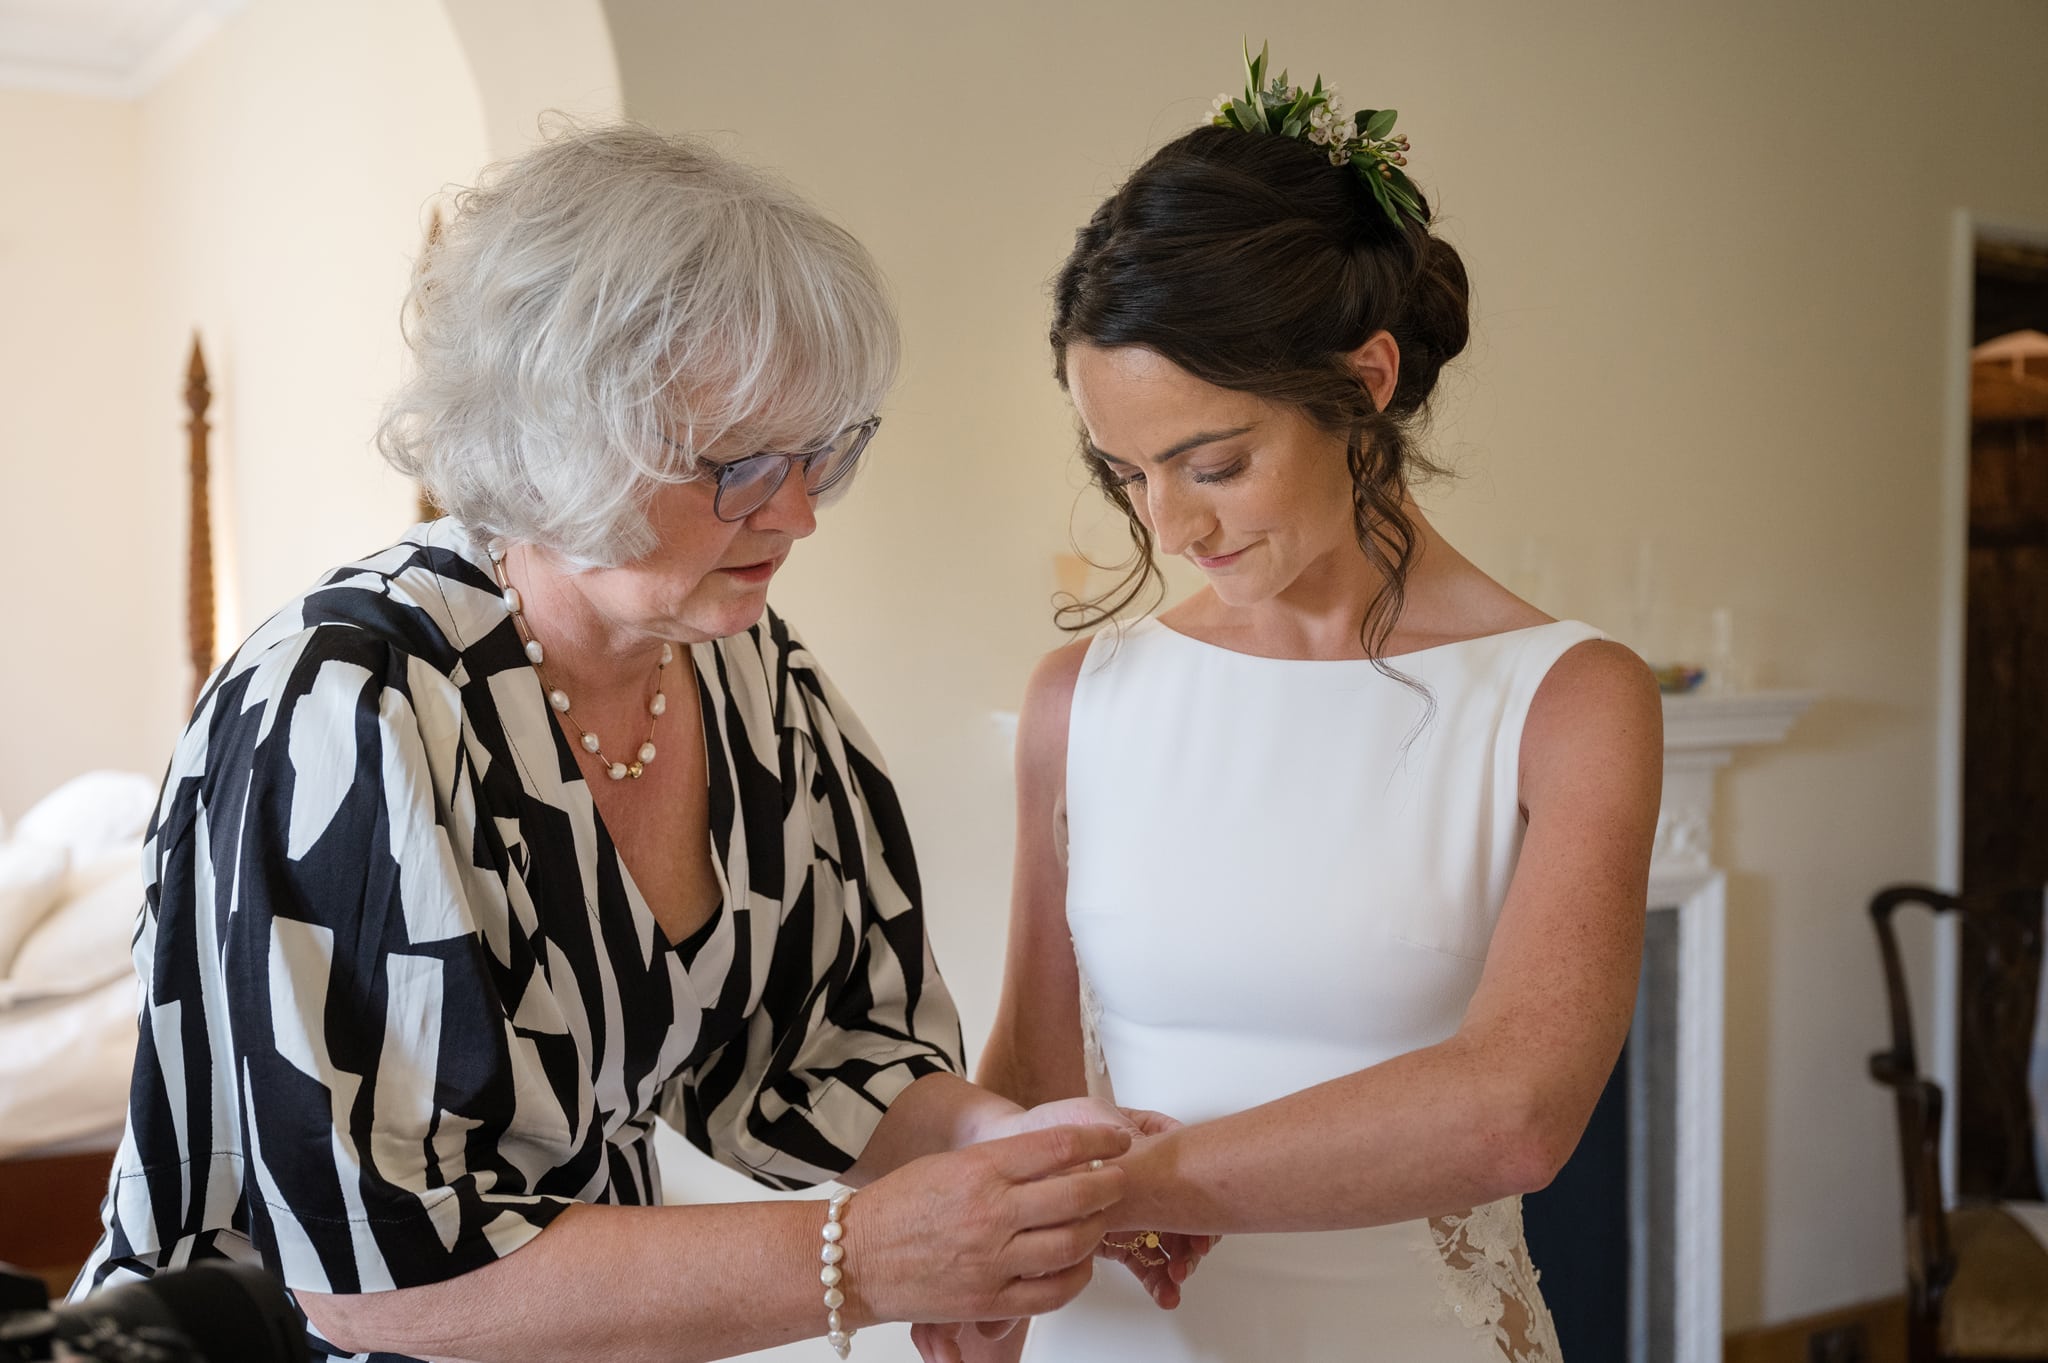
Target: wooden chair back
column 1995, row 1036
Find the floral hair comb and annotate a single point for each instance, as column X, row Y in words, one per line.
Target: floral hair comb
column 1366, row 139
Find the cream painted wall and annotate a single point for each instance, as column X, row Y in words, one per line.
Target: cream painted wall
column 80, row 485
column 534, row 55
column 270, row 192
column 287, row 172
column 1710, row 252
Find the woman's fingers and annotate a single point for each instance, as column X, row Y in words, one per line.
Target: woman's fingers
column 1051, row 1249
column 1036, row 1296
column 1155, row 1278
column 937, row 1343
column 992, row 1232
column 1066, row 1197
column 1036, row 1154
column 1148, row 1122
column 1181, row 1254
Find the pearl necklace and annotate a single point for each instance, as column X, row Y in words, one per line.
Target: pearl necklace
column 559, row 699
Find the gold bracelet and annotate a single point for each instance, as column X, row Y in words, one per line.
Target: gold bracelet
column 1142, row 1247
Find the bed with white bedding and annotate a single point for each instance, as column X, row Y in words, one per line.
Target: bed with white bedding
column 70, row 894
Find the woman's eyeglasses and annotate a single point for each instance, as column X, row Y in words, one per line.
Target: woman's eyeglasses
column 745, row 485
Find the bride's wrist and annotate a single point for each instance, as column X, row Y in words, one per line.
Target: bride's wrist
column 987, row 1116
column 1150, row 1197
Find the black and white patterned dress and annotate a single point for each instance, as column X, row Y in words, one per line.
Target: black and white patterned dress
column 403, row 1002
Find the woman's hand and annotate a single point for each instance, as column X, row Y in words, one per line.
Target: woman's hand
column 1163, row 1267
column 988, row 1341
column 999, row 1341
column 993, row 1232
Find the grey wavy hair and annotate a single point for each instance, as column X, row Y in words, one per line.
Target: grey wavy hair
column 612, row 291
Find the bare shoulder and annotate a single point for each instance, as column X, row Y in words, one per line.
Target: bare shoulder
column 1596, row 711
column 1048, row 704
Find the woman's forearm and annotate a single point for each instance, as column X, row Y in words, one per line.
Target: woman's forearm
column 620, row 1283
column 1433, row 1131
column 733, row 1278
column 1000, row 1230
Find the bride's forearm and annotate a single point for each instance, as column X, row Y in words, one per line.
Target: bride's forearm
column 1432, row 1131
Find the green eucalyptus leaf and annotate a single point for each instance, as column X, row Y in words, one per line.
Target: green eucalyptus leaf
column 1405, row 187
column 1369, row 170
column 1380, row 124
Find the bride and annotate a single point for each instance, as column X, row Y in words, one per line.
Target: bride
column 1342, row 860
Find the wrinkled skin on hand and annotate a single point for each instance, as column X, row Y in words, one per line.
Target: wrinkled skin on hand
column 943, row 1342
column 994, row 1231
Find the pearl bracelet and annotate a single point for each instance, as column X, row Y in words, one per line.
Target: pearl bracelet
column 832, row 1274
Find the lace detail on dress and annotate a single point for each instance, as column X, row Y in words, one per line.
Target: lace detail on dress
column 1091, row 1006
column 1489, row 1283
column 1090, row 1003
column 1091, row 1027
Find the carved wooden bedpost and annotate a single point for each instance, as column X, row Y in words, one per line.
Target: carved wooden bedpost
column 427, row 508
column 199, row 559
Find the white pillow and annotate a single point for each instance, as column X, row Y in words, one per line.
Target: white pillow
column 80, row 945
column 32, row 876
column 90, row 813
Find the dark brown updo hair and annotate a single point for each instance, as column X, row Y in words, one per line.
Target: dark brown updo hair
column 1253, row 263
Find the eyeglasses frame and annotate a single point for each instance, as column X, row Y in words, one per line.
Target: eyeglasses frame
column 861, row 432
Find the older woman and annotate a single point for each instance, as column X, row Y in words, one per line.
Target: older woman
column 498, row 843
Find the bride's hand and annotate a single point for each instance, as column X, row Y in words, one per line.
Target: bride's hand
column 1060, row 1112
column 1175, row 1256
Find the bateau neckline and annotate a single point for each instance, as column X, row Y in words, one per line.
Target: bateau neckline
column 1393, row 658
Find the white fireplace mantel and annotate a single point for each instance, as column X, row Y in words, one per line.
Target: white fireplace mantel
column 1702, row 734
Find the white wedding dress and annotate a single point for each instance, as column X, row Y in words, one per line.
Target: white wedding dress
column 1280, row 872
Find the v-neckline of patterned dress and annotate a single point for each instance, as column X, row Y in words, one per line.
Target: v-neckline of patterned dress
column 722, row 808
column 716, row 765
